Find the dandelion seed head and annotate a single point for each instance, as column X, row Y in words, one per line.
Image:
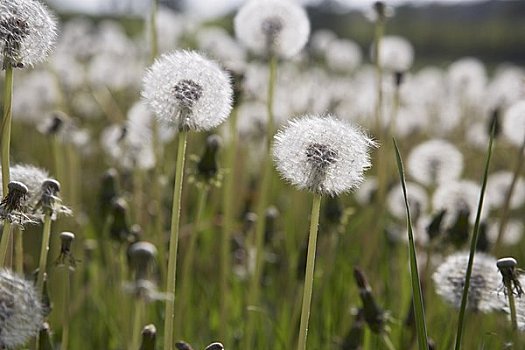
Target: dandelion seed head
column 343, row 55
column 186, row 90
column 279, row 27
column 449, row 279
column 27, row 32
column 322, row 154
column 417, row 200
column 514, row 123
column 21, row 312
column 434, row 162
column 396, row 54
column 512, row 234
column 498, row 185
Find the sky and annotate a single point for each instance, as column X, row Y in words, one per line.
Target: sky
column 207, row 8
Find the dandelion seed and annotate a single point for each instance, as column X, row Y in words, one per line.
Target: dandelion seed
column 21, row 312
column 276, row 27
column 434, row 162
column 514, row 124
column 322, row 154
column 27, row 32
column 449, row 279
column 186, row 90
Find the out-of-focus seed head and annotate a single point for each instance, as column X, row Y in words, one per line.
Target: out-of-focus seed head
column 66, row 254
column 27, row 32
column 512, row 234
column 396, row 54
column 514, row 124
column 434, row 162
column 21, row 312
column 186, row 90
column 417, row 201
column 322, row 154
column 49, row 202
column 498, row 185
column 141, row 257
column 485, row 281
column 272, row 27
column 109, row 190
column 119, row 228
column 207, row 166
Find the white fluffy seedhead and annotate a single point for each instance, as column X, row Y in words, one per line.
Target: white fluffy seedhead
column 186, row 90
column 435, row 162
column 21, row 312
column 27, row 32
column 417, row 200
column 343, row 55
column 279, row 27
column 485, row 282
column 31, row 176
column 498, row 185
column 322, row 154
column 514, row 124
column 396, row 54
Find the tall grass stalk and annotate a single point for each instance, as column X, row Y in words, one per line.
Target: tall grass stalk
column 262, row 203
column 473, row 243
column 44, row 249
column 228, row 205
column 309, row 276
column 506, row 203
column 419, row 311
column 174, row 240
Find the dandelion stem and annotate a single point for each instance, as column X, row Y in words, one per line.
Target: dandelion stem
column 66, row 307
column 388, row 343
column 19, row 250
column 4, row 242
column 174, row 240
column 228, row 223
column 6, row 124
column 46, row 234
column 512, row 304
column 473, row 243
column 188, row 260
column 271, row 88
column 137, row 324
column 508, row 196
column 309, row 276
column 153, row 30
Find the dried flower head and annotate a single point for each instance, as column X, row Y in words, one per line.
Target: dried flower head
column 27, row 32
column 322, row 154
column 186, row 90
column 278, row 27
column 30, row 176
column 434, row 162
column 14, row 207
column 449, row 279
column 49, row 202
column 514, row 123
column 21, row 312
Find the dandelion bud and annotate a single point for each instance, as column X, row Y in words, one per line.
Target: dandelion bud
column 21, row 311
column 119, row 228
column 109, row 190
column 149, row 337
column 188, row 91
column 449, row 279
column 215, row 346
column 322, row 154
column 207, row 166
column 45, row 338
column 181, row 345
column 27, row 32
column 373, row 315
column 355, row 336
column 141, row 255
column 66, row 240
column 275, row 27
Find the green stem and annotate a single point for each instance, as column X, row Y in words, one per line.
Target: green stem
column 137, row 324
column 388, row 343
column 19, row 250
column 44, row 249
column 512, row 304
column 5, row 141
column 272, row 75
column 4, row 242
column 508, row 196
column 473, row 243
column 309, row 276
column 188, row 261
column 174, row 240
column 153, row 30
column 378, row 35
column 66, row 316
column 228, row 224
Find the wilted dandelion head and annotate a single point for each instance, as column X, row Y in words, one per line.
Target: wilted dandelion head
column 417, row 200
column 186, row 90
column 27, row 32
column 21, row 312
column 498, row 185
column 435, row 162
column 396, row 54
column 322, row 154
column 279, row 27
column 514, row 123
column 458, row 197
column 485, row 281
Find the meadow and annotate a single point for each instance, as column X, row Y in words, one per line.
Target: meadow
column 178, row 185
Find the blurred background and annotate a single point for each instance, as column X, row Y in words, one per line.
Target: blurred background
column 441, row 31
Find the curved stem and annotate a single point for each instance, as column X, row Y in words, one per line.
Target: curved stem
column 5, row 141
column 44, row 249
column 309, row 276
column 174, row 240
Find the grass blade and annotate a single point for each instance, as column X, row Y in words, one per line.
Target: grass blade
column 473, row 243
column 421, row 326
